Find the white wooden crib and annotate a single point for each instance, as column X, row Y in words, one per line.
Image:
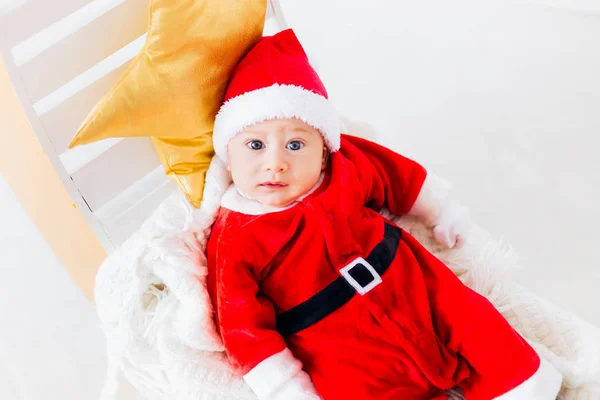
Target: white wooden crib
column 62, row 57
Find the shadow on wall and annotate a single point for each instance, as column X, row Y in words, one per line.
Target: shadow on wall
column 359, row 128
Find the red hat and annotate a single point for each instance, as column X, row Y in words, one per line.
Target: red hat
column 275, row 80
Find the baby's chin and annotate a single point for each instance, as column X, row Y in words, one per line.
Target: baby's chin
column 278, row 203
column 278, row 200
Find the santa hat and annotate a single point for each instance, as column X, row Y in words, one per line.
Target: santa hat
column 275, row 80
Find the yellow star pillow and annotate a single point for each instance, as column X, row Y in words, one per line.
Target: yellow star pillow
column 173, row 89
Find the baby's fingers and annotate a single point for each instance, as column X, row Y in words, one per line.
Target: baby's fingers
column 444, row 236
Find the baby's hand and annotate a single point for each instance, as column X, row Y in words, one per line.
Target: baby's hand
column 452, row 225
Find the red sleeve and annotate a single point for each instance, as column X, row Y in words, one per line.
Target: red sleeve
column 387, row 178
column 245, row 317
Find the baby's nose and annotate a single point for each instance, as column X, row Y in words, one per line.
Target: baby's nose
column 276, row 162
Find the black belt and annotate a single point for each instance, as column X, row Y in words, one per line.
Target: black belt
column 356, row 277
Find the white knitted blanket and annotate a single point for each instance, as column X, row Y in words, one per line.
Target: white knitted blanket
column 155, row 310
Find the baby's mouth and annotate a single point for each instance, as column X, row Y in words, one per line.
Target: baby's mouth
column 273, row 185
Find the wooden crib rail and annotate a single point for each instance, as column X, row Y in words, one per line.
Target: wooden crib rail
column 62, row 57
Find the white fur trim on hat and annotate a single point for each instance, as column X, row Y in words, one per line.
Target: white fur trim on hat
column 276, row 101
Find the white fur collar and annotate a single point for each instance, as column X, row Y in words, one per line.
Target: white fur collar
column 234, row 200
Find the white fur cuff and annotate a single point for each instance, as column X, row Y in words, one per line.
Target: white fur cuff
column 543, row 385
column 280, row 377
column 432, row 198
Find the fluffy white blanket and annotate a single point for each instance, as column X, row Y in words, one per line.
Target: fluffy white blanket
column 155, row 311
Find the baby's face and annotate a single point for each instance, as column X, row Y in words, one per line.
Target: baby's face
column 275, row 162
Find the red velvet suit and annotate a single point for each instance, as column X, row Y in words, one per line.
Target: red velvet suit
column 419, row 332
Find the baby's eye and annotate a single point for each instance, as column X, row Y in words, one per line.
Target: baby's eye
column 256, row 145
column 295, row 145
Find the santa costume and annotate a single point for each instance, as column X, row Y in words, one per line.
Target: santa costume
column 325, row 298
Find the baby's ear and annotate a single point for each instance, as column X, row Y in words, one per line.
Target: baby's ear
column 325, row 157
column 228, row 164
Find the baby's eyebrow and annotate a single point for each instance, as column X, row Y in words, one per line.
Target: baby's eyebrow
column 251, row 133
column 299, row 130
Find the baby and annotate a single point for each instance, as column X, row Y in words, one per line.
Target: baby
column 316, row 294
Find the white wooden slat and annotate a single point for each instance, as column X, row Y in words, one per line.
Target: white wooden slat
column 36, row 15
column 278, row 15
column 61, row 123
column 76, row 158
column 48, row 37
column 115, row 170
column 270, row 11
column 124, row 226
column 271, row 26
column 119, row 206
column 84, row 49
column 7, row 6
column 77, row 84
